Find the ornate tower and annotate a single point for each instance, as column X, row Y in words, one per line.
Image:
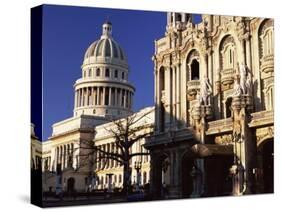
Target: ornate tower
column 104, row 89
column 177, row 20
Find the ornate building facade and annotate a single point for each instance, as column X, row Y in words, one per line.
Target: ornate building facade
column 212, row 124
column 214, row 103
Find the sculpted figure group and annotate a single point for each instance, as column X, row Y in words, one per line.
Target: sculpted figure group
column 243, row 82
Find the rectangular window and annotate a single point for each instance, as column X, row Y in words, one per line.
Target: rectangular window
column 98, row 72
column 107, row 72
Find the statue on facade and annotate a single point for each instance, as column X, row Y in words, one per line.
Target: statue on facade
column 205, row 92
column 245, row 79
column 237, row 91
column 249, row 84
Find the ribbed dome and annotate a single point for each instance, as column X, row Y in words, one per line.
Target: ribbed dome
column 105, row 47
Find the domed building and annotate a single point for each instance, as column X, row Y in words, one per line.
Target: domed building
column 102, row 94
column 104, row 89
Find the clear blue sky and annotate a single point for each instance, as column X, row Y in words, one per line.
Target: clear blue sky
column 68, row 31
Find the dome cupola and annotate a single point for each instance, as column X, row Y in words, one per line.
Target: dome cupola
column 104, row 89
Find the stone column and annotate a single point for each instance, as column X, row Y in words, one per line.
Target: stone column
column 244, row 146
column 174, row 94
column 104, row 89
column 78, row 100
column 80, row 97
column 75, row 99
column 109, row 96
column 98, row 96
column 61, row 156
column 157, row 96
column 87, row 96
column 64, row 156
column 92, row 96
column 248, row 52
column 75, row 155
column 115, row 96
column 178, row 102
column 121, row 96
column 168, row 91
column 125, row 99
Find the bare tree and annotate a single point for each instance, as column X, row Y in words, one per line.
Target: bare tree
column 125, row 132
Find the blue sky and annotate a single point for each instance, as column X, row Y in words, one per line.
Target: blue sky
column 68, row 31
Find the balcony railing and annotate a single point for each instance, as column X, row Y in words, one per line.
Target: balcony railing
column 193, row 85
column 267, row 63
column 227, row 76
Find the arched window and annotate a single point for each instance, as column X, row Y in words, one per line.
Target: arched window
column 266, row 38
column 123, row 75
column 193, row 65
column 228, row 58
column 116, row 73
column 90, row 73
column 98, row 72
column 195, row 75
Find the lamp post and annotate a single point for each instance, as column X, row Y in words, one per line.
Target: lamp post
column 138, row 168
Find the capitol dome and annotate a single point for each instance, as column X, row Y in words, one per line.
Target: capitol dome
column 104, row 89
column 106, row 48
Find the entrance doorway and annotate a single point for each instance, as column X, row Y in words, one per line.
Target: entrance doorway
column 266, row 152
column 70, row 184
column 187, row 180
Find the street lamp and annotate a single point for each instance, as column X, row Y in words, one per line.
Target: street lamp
column 138, row 168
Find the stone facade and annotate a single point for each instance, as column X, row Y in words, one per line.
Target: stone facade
column 214, row 103
column 212, row 121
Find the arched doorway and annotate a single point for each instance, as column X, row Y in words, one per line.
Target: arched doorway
column 187, row 178
column 70, row 184
column 266, row 164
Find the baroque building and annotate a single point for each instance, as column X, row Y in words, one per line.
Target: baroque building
column 212, row 123
column 102, row 95
column 214, row 103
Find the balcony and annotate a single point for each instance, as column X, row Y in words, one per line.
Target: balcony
column 267, row 66
column 227, row 78
column 220, row 126
column 193, row 87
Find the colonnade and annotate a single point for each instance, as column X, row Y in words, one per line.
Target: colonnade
column 101, row 95
column 64, row 155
